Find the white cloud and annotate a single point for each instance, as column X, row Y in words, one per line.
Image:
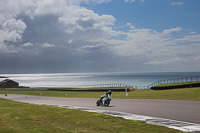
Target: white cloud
column 159, row 48
column 84, row 19
column 131, row 1
column 139, row 42
column 85, row 31
column 176, row 3
column 168, row 31
column 12, row 29
column 77, row 2
column 71, row 17
column 70, row 41
column 92, row 46
column 189, row 38
column 103, row 1
column 48, row 45
column 28, row 44
column 130, row 25
column 11, row 32
column 164, row 62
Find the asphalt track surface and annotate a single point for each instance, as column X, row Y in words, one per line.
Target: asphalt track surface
column 187, row 111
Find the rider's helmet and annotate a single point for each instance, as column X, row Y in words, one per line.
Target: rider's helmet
column 109, row 92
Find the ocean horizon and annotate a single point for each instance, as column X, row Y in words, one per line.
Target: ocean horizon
column 85, row 80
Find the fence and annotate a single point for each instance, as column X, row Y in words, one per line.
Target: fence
column 176, row 80
column 140, row 87
column 103, row 85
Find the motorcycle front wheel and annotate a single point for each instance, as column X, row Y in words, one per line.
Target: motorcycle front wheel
column 107, row 102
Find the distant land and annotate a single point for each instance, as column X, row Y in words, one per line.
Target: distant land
column 3, row 77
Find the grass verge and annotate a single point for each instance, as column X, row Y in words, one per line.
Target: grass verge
column 22, row 118
column 192, row 94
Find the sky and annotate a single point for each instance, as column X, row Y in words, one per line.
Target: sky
column 73, row 36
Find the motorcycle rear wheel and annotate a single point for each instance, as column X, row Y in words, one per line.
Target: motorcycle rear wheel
column 98, row 102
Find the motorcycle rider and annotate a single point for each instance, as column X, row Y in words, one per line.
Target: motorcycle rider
column 109, row 92
column 105, row 99
column 106, row 95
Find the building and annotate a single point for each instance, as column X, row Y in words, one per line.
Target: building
column 7, row 83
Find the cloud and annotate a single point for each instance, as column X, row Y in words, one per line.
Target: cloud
column 28, row 44
column 168, row 31
column 163, row 49
column 77, row 2
column 11, row 31
column 176, row 3
column 70, row 41
column 189, row 38
column 103, row 1
column 139, row 42
column 130, row 25
column 61, row 35
column 164, row 62
column 131, row 1
column 47, row 45
column 197, row 58
column 61, row 18
column 52, row 34
column 84, row 19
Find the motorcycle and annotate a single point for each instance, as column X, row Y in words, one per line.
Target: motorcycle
column 104, row 100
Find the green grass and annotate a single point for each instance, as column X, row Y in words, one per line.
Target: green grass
column 21, row 117
column 192, row 94
column 172, row 94
column 24, row 118
column 177, row 84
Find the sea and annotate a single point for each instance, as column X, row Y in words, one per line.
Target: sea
column 86, row 80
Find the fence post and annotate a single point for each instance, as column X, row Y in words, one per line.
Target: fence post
column 126, row 92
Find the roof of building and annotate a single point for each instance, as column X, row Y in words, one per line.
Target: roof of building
column 6, row 80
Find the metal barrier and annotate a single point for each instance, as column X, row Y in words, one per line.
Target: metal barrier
column 176, row 80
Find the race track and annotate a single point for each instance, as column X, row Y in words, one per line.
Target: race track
column 187, row 111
